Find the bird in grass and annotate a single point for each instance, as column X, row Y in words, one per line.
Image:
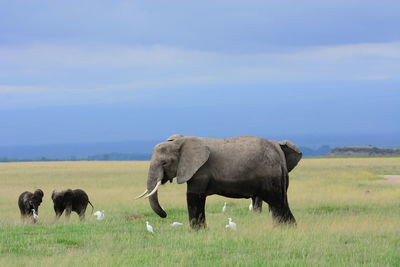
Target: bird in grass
column 99, row 214
column 176, row 224
column 149, row 228
column 251, row 205
column 224, row 208
column 34, row 215
column 231, row 224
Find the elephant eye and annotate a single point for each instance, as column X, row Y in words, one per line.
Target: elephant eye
column 164, row 162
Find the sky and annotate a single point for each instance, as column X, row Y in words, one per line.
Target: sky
column 109, row 71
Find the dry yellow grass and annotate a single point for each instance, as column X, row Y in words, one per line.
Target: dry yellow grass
column 344, row 218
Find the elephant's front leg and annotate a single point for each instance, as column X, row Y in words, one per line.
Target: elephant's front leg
column 24, row 217
column 59, row 211
column 196, row 204
column 257, row 204
column 30, row 216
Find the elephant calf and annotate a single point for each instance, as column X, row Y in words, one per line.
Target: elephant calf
column 70, row 200
column 28, row 202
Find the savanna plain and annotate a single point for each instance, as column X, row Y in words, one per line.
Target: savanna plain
column 346, row 216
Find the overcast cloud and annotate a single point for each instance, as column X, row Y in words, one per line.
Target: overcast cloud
column 233, row 55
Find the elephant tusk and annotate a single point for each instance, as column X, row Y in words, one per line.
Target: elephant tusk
column 144, row 193
column 154, row 190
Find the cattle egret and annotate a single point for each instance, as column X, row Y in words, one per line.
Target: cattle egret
column 99, row 214
column 176, row 224
column 231, row 224
column 251, row 205
column 224, row 208
column 35, row 216
column 149, row 228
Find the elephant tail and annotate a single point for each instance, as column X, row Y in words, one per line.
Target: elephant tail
column 91, row 205
column 285, row 185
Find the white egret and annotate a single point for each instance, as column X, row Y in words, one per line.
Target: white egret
column 224, row 208
column 149, row 228
column 176, row 224
column 35, row 216
column 251, row 205
column 100, row 215
column 231, row 224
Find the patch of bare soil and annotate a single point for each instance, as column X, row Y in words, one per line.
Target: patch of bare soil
column 132, row 218
column 391, row 179
column 73, row 251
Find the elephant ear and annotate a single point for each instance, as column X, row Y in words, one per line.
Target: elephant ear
column 193, row 154
column 292, row 154
column 38, row 193
column 53, row 195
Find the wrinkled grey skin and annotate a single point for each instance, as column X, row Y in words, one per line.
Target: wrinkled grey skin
column 28, row 201
column 238, row 167
column 70, row 200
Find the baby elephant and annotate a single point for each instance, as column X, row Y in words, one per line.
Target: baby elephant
column 28, row 202
column 70, row 200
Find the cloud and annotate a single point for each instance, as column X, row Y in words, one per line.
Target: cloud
column 157, row 56
column 20, row 89
column 105, row 56
column 71, row 73
column 389, row 50
column 376, row 77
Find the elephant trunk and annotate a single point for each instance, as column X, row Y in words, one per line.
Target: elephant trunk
column 154, row 179
column 155, row 205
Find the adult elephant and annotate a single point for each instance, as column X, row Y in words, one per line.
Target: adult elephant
column 237, row 167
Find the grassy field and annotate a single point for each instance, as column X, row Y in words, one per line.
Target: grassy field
column 346, row 217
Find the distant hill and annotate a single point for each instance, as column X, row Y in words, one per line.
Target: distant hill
column 364, row 151
column 141, row 150
column 119, row 156
column 135, row 150
column 321, row 151
column 98, row 157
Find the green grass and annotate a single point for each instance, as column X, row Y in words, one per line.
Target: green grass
column 346, row 217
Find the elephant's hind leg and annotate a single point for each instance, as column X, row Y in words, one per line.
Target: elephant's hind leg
column 282, row 214
column 279, row 207
column 68, row 211
column 82, row 217
column 82, row 214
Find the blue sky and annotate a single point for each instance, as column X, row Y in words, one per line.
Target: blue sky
column 100, row 71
